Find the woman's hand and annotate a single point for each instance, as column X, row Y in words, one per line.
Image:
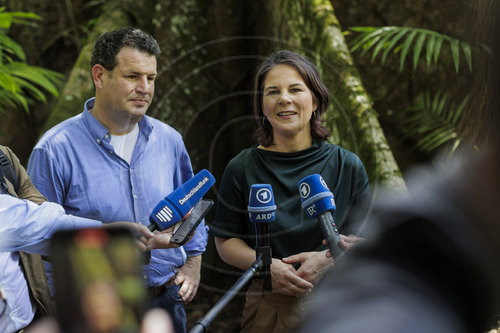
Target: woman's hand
column 286, row 281
column 346, row 242
column 313, row 265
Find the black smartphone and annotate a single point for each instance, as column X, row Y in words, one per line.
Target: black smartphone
column 97, row 277
column 184, row 230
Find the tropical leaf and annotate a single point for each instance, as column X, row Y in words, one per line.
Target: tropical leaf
column 405, row 40
column 9, row 18
column 20, row 83
column 433, row 121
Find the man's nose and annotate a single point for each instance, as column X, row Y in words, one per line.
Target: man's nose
column 143, row 85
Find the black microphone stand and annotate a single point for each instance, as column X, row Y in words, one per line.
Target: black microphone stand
column 263, row 249
column 203, row 323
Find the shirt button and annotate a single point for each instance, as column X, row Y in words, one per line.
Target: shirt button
column 106, row 136
column 135, row 196
column 98, row 141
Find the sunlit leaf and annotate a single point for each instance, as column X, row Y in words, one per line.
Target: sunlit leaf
column 396, row 39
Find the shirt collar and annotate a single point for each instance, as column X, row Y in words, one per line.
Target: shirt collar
column 100, row 133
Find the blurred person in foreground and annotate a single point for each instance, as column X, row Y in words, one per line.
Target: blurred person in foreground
column 432, row 259
column 27, row 222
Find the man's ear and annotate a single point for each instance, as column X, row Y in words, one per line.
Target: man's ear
column 98, row 72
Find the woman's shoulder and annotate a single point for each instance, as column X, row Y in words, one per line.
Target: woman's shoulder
column 243, row 156
column 341, row 153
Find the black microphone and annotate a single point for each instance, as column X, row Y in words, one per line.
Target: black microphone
column 317, row 201
column 261, row 211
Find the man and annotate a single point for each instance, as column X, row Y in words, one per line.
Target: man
column 114, row 162
column 27, row 226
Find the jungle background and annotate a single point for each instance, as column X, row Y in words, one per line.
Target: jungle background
column 393, row 115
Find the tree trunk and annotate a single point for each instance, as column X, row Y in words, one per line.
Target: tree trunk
column 79, row 87
column 351, row 118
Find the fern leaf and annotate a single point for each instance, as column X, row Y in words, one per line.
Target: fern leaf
column 418, row 49
column 406, row 48
column 455, row 53
column 467, row 53
column 396, row 39
column 383, row 43
column 437, row 49
column 430, row 48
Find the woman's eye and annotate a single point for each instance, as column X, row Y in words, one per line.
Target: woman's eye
column 272, row 92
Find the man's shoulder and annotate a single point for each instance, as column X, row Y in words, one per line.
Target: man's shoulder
column 62, row 132
column 161, row 128
column 67, row 127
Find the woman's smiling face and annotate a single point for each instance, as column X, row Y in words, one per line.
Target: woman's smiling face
column 288, row 103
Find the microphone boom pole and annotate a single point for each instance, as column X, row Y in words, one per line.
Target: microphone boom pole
column 203, row 323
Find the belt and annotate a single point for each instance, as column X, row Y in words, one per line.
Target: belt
column 160, row 290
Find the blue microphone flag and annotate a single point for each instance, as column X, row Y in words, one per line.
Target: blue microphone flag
column 315, row 195
column 261, row 207
column 174, row 206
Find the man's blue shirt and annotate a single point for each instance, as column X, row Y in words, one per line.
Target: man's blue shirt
column 75, row 165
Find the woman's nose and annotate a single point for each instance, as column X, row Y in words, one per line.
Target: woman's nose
column 284, row 99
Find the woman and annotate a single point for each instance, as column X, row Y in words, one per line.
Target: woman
column 290, row 98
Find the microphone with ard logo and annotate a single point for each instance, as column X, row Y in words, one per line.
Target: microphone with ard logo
column 317, row 201
column 261, row 211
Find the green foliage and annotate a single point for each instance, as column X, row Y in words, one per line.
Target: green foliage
column 21, row 83
column 403, row 39
column 433, row 122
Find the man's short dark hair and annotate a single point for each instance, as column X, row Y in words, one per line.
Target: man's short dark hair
column 110, row 43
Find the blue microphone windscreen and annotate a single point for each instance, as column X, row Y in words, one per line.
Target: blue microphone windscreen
column 187, row 196
column 174, row 206
column 261, row 207
column 315, row 195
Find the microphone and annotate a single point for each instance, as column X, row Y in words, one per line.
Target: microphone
column 174, row 206
column 261, row 211
column 317, row 201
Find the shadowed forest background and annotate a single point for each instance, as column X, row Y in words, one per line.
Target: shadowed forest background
column 392, row 115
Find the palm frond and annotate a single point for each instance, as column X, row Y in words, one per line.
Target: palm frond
column 21, row 83
column 433, row 121
column 406, row 40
